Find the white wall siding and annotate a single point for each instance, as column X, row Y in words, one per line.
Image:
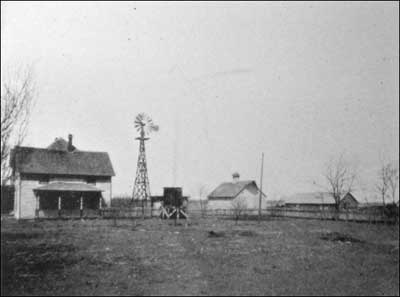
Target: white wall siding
column 250, row 195
column 28, row 199
column 105, row 186
column 252, row 198
column 219, row 204
column 67, row 179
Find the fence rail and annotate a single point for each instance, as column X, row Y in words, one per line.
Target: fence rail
column 129, row 212
column 358, row 215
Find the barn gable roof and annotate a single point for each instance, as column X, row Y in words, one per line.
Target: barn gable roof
column 230, row 189
column 51, row 161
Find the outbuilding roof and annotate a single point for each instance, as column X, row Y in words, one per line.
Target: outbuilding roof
column 310, row 198
column 315, row 198
column 230, row 189
column 50, row 161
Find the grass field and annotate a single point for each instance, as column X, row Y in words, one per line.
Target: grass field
column 154, row 257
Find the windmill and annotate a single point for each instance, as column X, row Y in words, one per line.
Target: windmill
column 141, row 189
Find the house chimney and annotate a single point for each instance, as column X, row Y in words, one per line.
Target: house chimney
column 235, row 177
column 70, row 146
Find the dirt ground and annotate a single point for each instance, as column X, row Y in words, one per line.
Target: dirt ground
column 205, row 257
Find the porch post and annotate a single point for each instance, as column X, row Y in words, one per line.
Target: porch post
column 100, row 204
column 37, row 207
column 81, row 206
column 59, row 206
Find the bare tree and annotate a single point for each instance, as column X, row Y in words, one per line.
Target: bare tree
column 340, row 177
column 393, row 181
column 17, row 94
column 238, row 206
column 387, row 181
column 202, row 191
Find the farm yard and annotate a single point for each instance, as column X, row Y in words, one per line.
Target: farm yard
column 204, row 257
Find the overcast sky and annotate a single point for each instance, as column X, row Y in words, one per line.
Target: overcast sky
column 301, row 82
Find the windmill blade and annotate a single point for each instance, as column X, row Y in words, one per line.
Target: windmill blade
column 155, row 127
column 139, row 118
column 144, row 123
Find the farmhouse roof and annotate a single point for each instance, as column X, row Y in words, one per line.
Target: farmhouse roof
column 50, row 161
column 62, row 186
column 310, row 198
column 230, row 189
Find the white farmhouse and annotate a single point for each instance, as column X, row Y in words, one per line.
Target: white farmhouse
column 59, row 180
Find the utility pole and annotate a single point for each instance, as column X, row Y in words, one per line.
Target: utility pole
column 259, row 202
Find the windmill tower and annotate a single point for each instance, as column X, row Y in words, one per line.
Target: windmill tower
column 141, row 189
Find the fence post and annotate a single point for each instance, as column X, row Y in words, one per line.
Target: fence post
column 37, row 206
column 81, row 207
column 59, row 206
column 100, row 205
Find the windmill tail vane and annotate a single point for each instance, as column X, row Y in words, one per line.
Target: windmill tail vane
column 141, row 189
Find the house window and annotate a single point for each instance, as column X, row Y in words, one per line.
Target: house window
column 91, row 180
column 44, row 179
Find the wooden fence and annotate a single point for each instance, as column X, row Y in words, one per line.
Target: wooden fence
column 372, row 215
column 357, row 215
column 129, row 212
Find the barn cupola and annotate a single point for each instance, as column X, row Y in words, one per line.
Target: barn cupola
column 235, row 177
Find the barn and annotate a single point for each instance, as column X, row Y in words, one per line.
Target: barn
column 227, row 193
column 59, row 180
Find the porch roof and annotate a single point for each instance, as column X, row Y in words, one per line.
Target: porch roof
column 68, row 187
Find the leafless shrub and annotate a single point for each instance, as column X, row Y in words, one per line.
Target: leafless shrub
column 202, row 192
column 238, row 205
column 393, row 181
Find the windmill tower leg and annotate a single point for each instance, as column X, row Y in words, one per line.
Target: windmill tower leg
column 141, row 188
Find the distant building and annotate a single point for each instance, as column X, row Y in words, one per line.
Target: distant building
column 59, row 177
column 349, row 201
column 319, row 201
column 227, row 192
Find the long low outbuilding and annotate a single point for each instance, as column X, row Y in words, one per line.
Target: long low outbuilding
column 319, row 201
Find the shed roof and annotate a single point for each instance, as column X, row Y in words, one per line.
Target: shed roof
column 230, row 189
column 310, row 198
column 71, row 187
column 49, row 161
